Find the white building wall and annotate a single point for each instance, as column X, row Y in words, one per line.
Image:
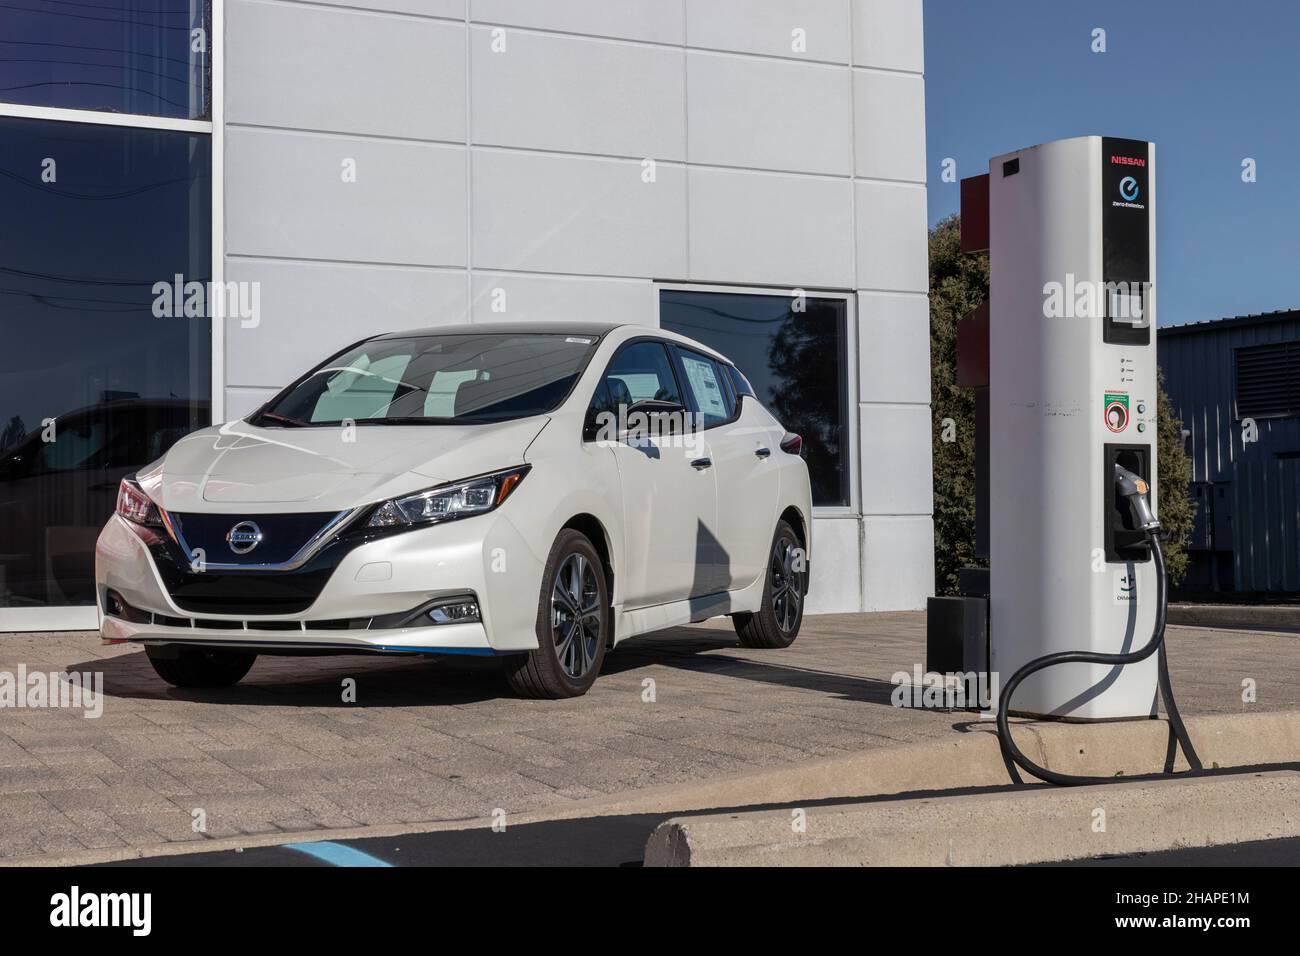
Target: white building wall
column 520, row 172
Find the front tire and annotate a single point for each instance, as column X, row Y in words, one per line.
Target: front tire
column 777, row 621
column 573, row 623
column 200, row 666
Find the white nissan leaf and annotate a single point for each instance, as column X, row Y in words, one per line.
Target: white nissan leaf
column 532, row 492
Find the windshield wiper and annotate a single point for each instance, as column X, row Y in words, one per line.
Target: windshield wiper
column 284, row 420
column 409, row 421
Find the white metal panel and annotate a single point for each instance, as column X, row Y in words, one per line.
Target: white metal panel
column 769, row 27
column 768, row 114
column 538, row 212
column 286, row 196
column 835, row 564
column 308, row 67
column 889, row 126
column 659, row 21
column 893, row 255
column 770, row 228
column 887, row 35
column 894, row 348
column 897, row 562
column 502, row 296
column 578, row 95
column 895, row 443
column 308, row 310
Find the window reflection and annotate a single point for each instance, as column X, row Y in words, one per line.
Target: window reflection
column 795, row 361
column 92, row 385
column 149, row 57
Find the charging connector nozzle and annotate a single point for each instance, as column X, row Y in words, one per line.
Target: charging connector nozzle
column 1134, row 488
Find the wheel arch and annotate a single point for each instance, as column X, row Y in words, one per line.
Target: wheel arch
column 596, row 533
column 795, row 519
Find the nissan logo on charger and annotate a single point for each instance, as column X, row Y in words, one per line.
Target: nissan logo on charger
column 244, row 537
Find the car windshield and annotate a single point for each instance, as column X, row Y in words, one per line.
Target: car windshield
column 435, row 379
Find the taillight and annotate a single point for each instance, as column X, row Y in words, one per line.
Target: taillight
column 792, row 444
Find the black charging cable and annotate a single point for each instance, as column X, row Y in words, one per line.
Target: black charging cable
column 1135, row 489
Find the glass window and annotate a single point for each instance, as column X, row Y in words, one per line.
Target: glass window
column 705, row 382
column 795, row 361
column 641, row 372
column 93, row 385
column 148, row 57
column 435, row 379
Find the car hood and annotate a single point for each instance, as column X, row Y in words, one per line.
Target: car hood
column 240, row 467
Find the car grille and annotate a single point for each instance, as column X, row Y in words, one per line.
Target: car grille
column 283, row 536
column 249, row 588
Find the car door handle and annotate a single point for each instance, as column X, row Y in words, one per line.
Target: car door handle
column 699, row 464
column 762, row 452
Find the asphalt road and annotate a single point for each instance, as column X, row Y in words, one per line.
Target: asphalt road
column 609, row 841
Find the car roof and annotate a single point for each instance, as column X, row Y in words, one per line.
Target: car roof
column 486, row 328
column 597, row 329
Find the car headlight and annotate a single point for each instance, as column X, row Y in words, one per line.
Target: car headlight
column 135, row 506
column 473, row 496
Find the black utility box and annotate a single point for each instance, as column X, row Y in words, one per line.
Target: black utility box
column 956, row 635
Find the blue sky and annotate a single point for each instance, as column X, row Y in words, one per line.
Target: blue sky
column 1210, row 83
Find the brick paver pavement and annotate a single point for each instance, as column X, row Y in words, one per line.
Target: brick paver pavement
column 428, row 741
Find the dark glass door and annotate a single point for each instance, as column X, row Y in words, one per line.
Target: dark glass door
column 93, row 382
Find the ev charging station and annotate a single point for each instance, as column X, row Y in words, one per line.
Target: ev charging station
column 1072, row 393
column 1063, row 361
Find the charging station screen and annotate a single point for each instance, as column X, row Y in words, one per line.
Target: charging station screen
column 1126, row 237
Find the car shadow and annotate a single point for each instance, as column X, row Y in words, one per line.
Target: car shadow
column 692, row 649
column 317, row 681
column 449, row 681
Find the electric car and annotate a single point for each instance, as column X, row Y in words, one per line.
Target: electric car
column 533, row 492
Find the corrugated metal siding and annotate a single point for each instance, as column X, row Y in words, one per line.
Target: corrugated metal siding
column 1198, row 369
column 1266, row 542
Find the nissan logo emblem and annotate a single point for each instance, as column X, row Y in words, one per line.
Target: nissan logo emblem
column 244, row 537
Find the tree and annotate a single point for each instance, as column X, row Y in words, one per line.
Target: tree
column 1176, row 509
column 958, row 283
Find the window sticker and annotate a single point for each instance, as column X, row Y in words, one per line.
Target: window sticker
column 704, row 384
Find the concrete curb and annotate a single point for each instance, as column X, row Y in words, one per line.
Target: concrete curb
column 993, row 829
column 1238, row 616
column 969, row 759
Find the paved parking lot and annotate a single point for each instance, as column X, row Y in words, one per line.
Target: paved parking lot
column 429, row 741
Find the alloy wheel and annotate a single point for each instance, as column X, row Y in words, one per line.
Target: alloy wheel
column 785, row 583
column 576, row 615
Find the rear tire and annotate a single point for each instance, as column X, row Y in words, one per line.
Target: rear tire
column 776, row 623
column 200, row 666
column 573, row 624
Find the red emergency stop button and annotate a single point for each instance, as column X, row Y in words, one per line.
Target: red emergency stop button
column 1117, row 416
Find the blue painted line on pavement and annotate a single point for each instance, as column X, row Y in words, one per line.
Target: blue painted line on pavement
column 336, row 854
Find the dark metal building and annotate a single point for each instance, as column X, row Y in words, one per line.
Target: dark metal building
column 1236, row 385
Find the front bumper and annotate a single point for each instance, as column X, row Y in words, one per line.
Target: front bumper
column 484, row 556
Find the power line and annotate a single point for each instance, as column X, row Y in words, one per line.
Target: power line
column 100, row 49
column 111, row 86
column 101, row 66
column 84, row 16
column 54, row 190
